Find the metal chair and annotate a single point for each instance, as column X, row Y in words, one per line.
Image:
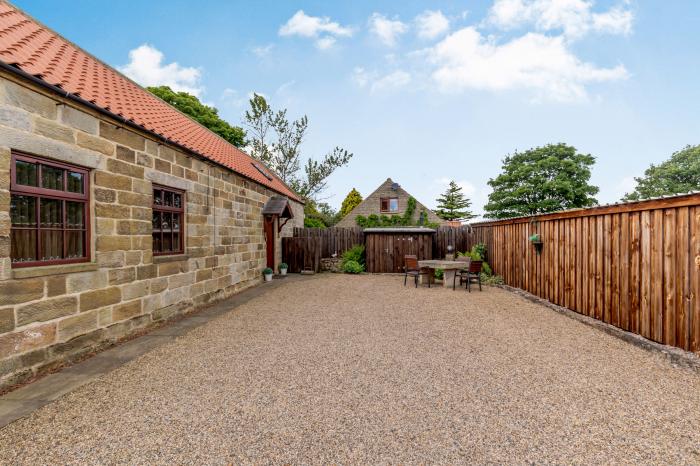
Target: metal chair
column 466, row 260
column 473, row 272
column 411, row 268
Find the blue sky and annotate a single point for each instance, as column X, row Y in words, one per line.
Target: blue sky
column 424, row 92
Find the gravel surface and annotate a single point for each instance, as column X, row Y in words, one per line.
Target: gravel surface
column 359, row 369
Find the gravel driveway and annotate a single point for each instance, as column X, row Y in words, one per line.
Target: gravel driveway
column 358, row 369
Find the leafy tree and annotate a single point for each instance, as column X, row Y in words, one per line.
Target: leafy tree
column 540, row 180
column 205, row 115
column 679, row 174
column 319, row 215
column 277, row 142
column 453, row 205
column 351, row 201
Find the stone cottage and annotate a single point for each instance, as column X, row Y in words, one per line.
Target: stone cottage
column 116, row 210
column 388, row 199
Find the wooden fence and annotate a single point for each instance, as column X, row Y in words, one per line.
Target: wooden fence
column 301, row 253
column 461, row 239
column 332, row 240
column 635, row 266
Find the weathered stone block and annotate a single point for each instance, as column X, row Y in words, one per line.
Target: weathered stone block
column 204, row 274
column 132, row 227
column 144, row 160
column 133, row 257
column 163, row 166
column 79, row 345
column 105, row 226
column 55, row 285
column 113, row 243
column 79, row 282
column 169, row 311
column 166, row 153
column 123, row 168
column 146, row 271
column 142, row 242
column 110, row 259
column 105, row 195
column 121, row 276
column 28, row 339
column 110, row 180
column 21, row 291
column 7, row 319
column 122, row 136
column 18, row 96
column 134, row 290
column 126, row 310
column 47, row 309
column 99, row 298
column 95, row 143
column 15, row 118
column 78, row 119
column 129, row 198
column 126, row 155
column 111, row 210
column 179, row 280
column 77, row 325
column 151, row 147
column 142, row 187
column 53, row 130
column 170, row 268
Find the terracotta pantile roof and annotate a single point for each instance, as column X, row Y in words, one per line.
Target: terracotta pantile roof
column 33, row 48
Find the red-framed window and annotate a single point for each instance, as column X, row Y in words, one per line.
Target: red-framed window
column 49, row 211
column 389, row 204
column 168, row 220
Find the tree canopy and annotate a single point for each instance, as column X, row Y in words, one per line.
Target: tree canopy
column 204, row 114
column 276, row 142
column 453, row 204
column 351, row 201
column 678, row 174
column 543, row 179
column 319, row 215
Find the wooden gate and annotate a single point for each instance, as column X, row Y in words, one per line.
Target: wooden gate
column 385, row 248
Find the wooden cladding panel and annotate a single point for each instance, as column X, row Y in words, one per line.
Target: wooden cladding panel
column 633, row 268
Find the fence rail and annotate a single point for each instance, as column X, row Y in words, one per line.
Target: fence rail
column 332, row 240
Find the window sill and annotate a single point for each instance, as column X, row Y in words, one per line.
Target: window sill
column 43, row 271
column 175, row 258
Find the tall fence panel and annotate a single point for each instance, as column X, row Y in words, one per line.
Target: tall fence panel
column 301, row 254
column 635, row 266
column 333, row 241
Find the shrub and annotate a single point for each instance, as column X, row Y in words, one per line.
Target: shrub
column 481, row 249
column 491, row 279
column 439, row 274
column 283, row 266
column 267, row 271
column 352, row 267
column 355, row 254
column 310, row 222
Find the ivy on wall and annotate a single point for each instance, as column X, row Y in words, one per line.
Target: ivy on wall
column 404, row 220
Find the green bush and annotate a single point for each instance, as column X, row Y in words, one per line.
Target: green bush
column 311, row 222
column 267, row 271
column 439, row 274
column 481, row 249
column 355, row 254
column 283, row 266
column 352, row 267
column 491, row 279
column 477, row 253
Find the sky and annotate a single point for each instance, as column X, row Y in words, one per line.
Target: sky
column 423, row 92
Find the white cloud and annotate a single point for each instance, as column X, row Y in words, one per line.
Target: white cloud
column 387, row 30
column 263, row 51
column 146, row 67
column 574, row 18
column 391, row 82
column 360, row 76
column 432, row 24
column 320, row 28
column 467, row 60
column 233, row 98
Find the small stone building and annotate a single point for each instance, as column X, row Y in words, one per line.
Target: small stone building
column 388, row 199
column 116, row 210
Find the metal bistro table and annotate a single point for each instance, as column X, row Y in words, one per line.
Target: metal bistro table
column 449, row 268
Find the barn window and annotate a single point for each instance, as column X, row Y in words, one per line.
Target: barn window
column 389, row 204
column 49, row 212
column 168, row 220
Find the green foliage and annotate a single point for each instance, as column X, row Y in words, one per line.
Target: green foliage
column 439, row 274
column 478, row 253
column 205, row 115
column 453, row 205
column 355, row 254
column 351, row 201
column 352, row 267
column 679, row 174
column 535, row 238
column 267, row 271
column 480, row 248
column 539, row 180
column 310, row 222
column 283, row 265
column 491, row 280
column 319, row 215
column 404, row 220
column 276, row 141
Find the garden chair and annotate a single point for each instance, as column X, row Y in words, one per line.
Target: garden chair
column 471, row 273
column 465, row 269
column 411, row 268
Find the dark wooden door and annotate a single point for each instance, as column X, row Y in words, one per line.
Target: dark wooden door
column 385, row 251
column 270, row 241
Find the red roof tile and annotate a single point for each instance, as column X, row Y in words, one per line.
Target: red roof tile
column 37, row 50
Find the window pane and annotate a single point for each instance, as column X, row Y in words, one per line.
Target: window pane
column 177, row 200
column 23, row 247
column 393, row 205
column 26, row 173
column 50, row 214
column 75, row 215
column 383, row 205
column 176, row 241
column 51, row 245
column 75, row 182
column 167, row 221
column 157, row 197
column 157, row 246
column 168, row 199
column 176, row 222
column 23, row 211
column 156, row 221
column 51, row 178
column 167, row 242
column 74, row 244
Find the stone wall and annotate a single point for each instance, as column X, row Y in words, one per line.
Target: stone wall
column 56, row 313
column 371, row 205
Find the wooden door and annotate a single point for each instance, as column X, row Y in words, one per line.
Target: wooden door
column 270, row 240
column 385, row 251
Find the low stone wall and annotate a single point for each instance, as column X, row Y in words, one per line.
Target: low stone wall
column 331, row 264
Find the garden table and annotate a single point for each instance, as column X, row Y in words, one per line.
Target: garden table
column 449, row 268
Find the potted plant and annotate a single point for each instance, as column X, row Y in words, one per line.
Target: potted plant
column 267, row 272
column 283, row 268
column 536, row 241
